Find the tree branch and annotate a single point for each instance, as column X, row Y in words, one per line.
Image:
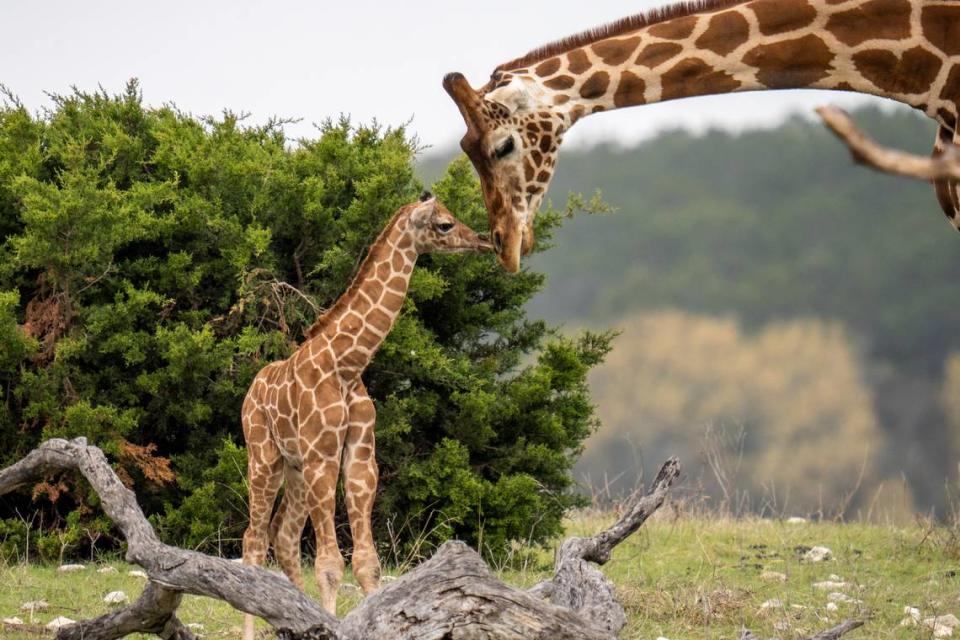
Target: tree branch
column 454, row 594
column 867, row 152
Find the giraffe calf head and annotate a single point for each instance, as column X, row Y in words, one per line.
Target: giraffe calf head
column 512, row 141
column 435, row 230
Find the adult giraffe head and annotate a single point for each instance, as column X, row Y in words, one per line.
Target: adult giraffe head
column 512, row 141
column 906, row 50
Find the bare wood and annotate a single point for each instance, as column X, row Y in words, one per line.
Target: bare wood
column 263, row 593
column 452, row 595
column 578, row 584
column 867, row 152
column 839, row 630
column 152, row 612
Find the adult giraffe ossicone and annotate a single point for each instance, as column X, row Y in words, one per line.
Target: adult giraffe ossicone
column 907, row 50
column 302, row 413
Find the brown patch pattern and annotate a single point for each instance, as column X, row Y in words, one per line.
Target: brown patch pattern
column 911, row 73
column 616, row 51
column 791, row 63
column 780, row 16
column 726, row 32
column 941, row 26
column 577, row 61
column 560, row 82
column 548, row 67
column 884, row 19
column 951, row 89
column 676, row 29
column 658, row 53
column 694, row 77
column 629, row 90
column 595, row 86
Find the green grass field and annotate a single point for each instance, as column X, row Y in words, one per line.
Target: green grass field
column 678, row 577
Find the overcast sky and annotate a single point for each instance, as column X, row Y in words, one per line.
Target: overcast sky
column 314, row 60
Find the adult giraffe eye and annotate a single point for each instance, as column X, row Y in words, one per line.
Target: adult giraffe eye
column 504, row 149
column 445, row 227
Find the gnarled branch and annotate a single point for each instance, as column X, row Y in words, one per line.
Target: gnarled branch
column 867, row 152
column 452, row 595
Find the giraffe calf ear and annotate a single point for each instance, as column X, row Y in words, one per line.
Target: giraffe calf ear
column 513, row 96
column 423, row 212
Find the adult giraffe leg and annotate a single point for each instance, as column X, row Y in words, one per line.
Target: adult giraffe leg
column 360, row 486
column 321, row 470
column 264, row 473
column 287, row 524
column 948, row 191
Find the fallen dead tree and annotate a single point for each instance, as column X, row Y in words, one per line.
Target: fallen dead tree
column 452, row 595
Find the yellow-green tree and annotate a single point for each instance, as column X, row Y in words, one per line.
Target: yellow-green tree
column 794, row 390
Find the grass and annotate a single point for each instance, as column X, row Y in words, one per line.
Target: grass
column 678, row 577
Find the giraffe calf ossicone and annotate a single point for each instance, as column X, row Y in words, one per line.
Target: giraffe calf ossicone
column 306, row 417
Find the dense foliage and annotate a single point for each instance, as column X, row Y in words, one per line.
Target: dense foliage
column 153, row 261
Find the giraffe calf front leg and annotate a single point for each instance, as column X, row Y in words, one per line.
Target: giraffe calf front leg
column 360, row 475
column 320, row 472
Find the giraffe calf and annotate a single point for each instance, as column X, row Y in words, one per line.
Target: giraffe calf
column 309, row 416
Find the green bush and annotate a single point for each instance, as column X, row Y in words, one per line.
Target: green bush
column 140, row 291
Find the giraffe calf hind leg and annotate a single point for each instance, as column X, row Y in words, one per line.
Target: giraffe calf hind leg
column 287, row 525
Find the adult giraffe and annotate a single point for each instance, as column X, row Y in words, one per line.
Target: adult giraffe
column 907, row 50
column 302, row 414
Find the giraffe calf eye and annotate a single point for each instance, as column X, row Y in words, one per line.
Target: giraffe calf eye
column 445, row 227
column 504, row 149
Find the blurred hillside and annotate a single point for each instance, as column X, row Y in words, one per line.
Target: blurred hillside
column 795, row 306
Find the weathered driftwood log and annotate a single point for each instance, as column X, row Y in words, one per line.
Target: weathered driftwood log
column 452, row 595
column 263, row 593
column 869, row 153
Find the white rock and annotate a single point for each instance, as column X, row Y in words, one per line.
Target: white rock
column 948, row 620
column 349, row 588
column 773, row 603
column 834, row 577
column 773, row 576
column 832, row 606
column 70, row 568
column 942, row 631
column 781, row 625
column 906, row 622
column 830, row 585
column 107, row 570
column 841, row 597
column 818, row 554
column 912, row 612
column 137, row 573
column 796, row 520
column 387, row 578
column 59, row 622
column 13, row 620
column 196, row 627
column 662, row 638
column 35, row 605
column 115, row 597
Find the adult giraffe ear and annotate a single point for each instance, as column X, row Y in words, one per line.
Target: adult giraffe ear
column 513, row 96
column 423, row 212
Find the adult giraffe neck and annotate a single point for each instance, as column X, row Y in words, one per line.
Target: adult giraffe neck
column 899, row 49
